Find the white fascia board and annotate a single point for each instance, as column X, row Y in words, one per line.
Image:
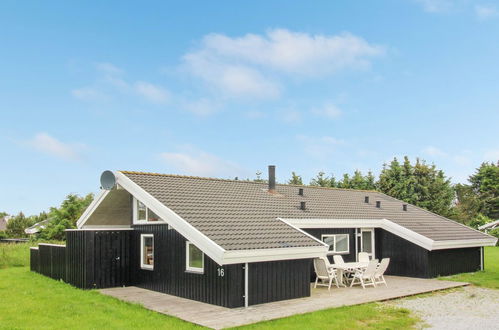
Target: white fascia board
column 385, row 224
column 48, row 244
column 103, row 228
column 335, row 223
column 91, row 208
column 205, row 244
column 394, row 228
column 454, row 244
column 261, row 255
column 304, row 232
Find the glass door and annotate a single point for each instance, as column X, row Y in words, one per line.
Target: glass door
column 367, row 241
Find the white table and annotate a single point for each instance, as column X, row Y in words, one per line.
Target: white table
column 347, row 267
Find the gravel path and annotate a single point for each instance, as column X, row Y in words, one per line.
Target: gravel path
column 467, row 308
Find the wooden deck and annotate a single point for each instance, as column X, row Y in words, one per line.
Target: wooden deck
column 219, row 317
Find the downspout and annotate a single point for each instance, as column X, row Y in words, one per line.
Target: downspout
column 481, row 258
column 246, row 293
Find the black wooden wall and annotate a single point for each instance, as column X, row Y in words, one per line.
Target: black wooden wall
column 169, row 274
column 409, row 259
column 98, row 259
column 34, row 260
column 52, row 261
column 317, row 233
column 279, row 280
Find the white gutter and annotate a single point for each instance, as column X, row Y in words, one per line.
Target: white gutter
column 394, row 228
column 246, row 285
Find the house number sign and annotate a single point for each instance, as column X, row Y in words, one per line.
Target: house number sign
column 221, row 272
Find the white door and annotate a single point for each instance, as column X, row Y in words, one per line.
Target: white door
column 367, row 241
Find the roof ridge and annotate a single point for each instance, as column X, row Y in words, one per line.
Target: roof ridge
column 242, row 181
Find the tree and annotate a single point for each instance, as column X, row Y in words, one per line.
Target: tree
column 479, row 220
column 485, row 185
column 65, row 216
column 321, row 180
column 295, row 179
column 17, row 224
column 419, row 184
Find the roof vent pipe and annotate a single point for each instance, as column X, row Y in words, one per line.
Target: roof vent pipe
column 404, row 207
column 378, row 204
column 302, row 205
column 271, row 178
column 300, row 191
column 366, row 199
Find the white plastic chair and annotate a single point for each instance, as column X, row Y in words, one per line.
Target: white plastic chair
column 338, row 260
column 363, row 257
column 324, row 275
column 379, row 277
column 365, row 277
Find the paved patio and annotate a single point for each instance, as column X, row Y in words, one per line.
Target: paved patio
column 220, row 317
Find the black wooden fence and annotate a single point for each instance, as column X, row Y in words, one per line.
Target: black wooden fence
column 49, row 260
column 90, row 258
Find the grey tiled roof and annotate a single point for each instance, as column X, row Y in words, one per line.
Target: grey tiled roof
column 242, row 215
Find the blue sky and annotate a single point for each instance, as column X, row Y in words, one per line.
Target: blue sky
column 224, row 89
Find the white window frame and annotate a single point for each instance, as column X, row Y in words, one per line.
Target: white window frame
column 136, row 221
column 142, row 264
column 187, row 267
column 334, row 251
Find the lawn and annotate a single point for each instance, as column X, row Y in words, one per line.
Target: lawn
column 35, row 301
column 488, row 278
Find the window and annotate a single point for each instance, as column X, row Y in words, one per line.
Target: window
column 194, row 258
column 338, row 243
column 147, row 251
column 143, row 214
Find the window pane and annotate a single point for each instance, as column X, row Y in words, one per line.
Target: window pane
column 341, row 243
column 329, row 240
column 151, row 216
column 148, row 251
column 366, row 242
column 141, row 211
column 195, row 257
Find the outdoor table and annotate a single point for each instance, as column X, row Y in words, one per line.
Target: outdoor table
column 347, row 267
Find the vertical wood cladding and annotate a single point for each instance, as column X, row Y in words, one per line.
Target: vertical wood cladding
column 169, row 274
column 279, row 280
column 52, row 261
column 34, row 260
column 98, row 259
column 454, row 261
column 409, row 259
column 317, row 233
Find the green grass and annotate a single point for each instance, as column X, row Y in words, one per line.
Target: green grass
column 366, row 316
column 489, row 277
column 29, row 300
column 17, row 254
column 32, row 301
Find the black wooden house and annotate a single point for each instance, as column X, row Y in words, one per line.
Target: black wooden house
column 238, row 243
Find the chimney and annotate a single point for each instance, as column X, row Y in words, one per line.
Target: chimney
column 300, row 191
column 366, row 199
column 302, row 205
column 378, row 204
column 404, row 207
column 271, row 178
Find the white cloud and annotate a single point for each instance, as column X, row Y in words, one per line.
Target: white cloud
column 151, row 92
column 108, row 68
column 201, row 107
column 328, row 110
column 49, row 145
column 88, row 94
column 484, row 12
column 433, row 152
column 254, row 114
column 290, row 116
column 200, row 163
column 236, row 65
column 321, row 146
column 111, row 81
column 436, row 6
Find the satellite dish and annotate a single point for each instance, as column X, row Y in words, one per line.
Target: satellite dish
column 107, row 180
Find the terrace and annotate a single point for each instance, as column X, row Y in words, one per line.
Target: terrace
column 220, row 317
